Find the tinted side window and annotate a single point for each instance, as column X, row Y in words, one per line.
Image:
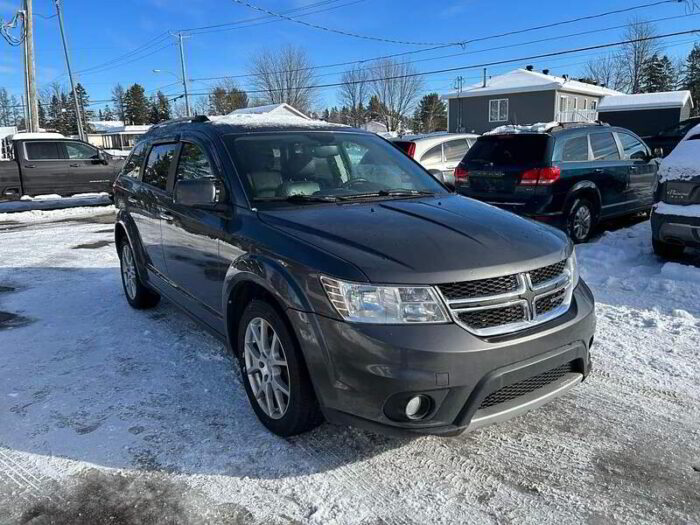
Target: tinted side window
column 80, row 151
column 633, row 148
column 575, row 149
column 132, row 167
column 434, row 154
column 42, row 151
column 158, row 165
column 455, row 150
column 193, row 164
column 604, row 146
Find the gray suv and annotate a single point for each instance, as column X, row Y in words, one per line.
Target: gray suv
column 350, row 284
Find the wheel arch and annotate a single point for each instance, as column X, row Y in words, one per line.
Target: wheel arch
column 586, row 189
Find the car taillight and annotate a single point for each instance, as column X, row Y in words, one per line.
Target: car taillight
column 461, row 173
column 543, row 176
column 411, row 149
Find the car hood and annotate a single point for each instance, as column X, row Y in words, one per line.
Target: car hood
column 424, row 241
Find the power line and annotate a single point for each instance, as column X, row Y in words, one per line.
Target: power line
column 440, row 57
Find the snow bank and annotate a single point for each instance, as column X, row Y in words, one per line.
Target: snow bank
column 271, row 121
column 691, row 210
column 510, row 129
column 684, row 161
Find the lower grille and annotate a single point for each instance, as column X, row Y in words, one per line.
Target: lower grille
column 550, row 302
column 526, row 386
column 481, row 319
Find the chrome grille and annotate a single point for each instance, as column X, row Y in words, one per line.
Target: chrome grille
column 480, row 288
column 550, row 302
column 480, row 319
column 547, row 273
column 524, row 387
column 508, row 303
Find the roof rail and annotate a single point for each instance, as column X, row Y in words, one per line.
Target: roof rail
column 195, row 118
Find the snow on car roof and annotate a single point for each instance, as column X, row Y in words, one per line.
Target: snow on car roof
column 434, row 135
column 42, row 135
column 268, row 120
column 684, row 161
column 664, row 99
column 511, row 129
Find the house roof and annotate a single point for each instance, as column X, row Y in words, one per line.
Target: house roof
column 116, row 126
column 665, row 99
column 524, row 81
column 275, row 109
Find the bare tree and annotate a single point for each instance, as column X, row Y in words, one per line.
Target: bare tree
column 634, row 55
column 608, row 71
column 397, row 86
column 354, row 91
column 285, row 76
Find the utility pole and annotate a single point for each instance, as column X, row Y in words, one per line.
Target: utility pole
column 459, row 83
column 180, row 38
column 78, row 114
column 31, row 68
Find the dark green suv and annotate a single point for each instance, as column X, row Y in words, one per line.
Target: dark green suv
column 570, row 175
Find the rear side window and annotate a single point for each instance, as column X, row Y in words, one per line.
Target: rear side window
column 575, row 149
column 433, row 155
column 132, row 167
column 604, row 146
column 43, row 151
column 509, row 149
column 632, row 147
column 193, row 164
column 455, row 150
column 158, row 165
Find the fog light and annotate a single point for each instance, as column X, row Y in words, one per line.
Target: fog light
column 417, row 407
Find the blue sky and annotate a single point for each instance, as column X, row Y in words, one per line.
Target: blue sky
column 102, row 30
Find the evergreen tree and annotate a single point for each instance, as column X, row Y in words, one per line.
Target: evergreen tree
column 658, row 74
column 136, row 106
column 160, row 108
column 5, row 110
column 226, row 98
column 432, row 113
column 374, row 109
column 99, row 115
column 691, row 76
column 42, row 117
column 107, row 113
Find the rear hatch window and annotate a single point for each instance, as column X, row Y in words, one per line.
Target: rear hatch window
column 497, row 162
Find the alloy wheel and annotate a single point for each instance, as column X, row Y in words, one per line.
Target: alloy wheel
column 266, row 368
column 582, row 222
column 129, row 271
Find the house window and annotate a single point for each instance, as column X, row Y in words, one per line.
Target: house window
column 585, row 104
column 572, row 103
column 562, row 104
column 498, row 110
column 594, row 105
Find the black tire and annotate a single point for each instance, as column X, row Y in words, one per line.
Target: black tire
column 667, row 250
column 137, row 294
column 580, row 220
column 302, row 412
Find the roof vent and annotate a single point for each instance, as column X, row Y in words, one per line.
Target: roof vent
column 529, row 68
column 565, row 77
column 545, row 71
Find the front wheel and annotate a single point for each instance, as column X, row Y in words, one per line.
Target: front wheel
column 138, row 295
column 580, row 220
column 667, row 250
column 274, row 374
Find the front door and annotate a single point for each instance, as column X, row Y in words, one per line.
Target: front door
column 610, row 172
column 191, row 238
column 90, row 173
column 150, row 201
column 642, row 170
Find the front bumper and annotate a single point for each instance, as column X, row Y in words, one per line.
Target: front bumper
column 676, row 229
column 360, row 372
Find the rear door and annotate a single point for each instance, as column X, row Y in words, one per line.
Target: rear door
column 151, row 200
column 90, row 173
column 496, row 163
column 191, row 237
column 453, row 152
column 610, row 172
column 44, row 168
column 642, row 169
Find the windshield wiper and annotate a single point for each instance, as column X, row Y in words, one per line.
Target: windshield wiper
column 386, row 193
column 300, row 198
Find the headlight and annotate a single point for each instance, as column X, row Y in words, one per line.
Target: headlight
column 364, row 303
column 572, row 263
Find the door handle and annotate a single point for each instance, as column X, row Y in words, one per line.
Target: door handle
column 598, row 170
column 74, row 165
column 30, row 166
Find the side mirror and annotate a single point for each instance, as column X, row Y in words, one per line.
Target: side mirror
column 658, row 152
column 208, row 194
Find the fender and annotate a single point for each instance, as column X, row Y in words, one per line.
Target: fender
column 577, row 188
column 124, row 220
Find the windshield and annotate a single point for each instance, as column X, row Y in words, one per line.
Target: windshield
column 298, row 166
column 503, row 150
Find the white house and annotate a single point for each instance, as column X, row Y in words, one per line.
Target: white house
column 114, row 135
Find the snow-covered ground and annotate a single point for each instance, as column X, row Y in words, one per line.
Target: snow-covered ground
column 109, row 415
